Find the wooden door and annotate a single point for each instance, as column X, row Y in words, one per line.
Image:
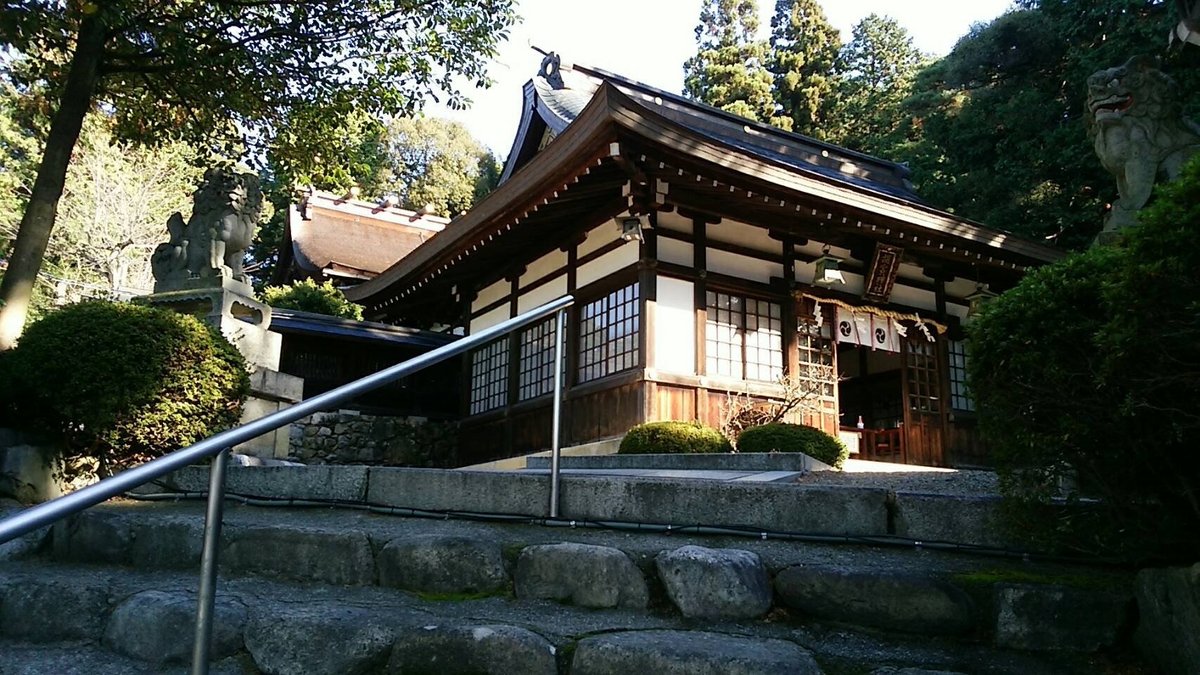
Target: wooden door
column 924, row 401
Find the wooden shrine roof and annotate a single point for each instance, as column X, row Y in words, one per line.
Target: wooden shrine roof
column 625, row 134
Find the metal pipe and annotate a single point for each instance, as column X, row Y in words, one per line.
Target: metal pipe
column 556, row 424
column 44, row 514
column 206, row 596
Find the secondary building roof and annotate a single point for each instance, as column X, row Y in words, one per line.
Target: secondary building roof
column 348, row 240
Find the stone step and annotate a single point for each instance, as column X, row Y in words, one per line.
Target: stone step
column 73, row 618
column 87, row 658
column 917, row 591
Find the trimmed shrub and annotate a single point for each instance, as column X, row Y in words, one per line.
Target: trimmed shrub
column 785, row 437
column 122, row 383
column 307, row 296
column 673, row 438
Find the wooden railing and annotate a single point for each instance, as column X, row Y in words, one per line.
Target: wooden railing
column 881, row 445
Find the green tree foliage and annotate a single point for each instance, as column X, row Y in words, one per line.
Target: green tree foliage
column 1088, row 370
column 488, row 177
column 996, row 131
column 113, row 212
column 311, row 151
column 729, row 68
column 307, row 296
column 433, row 162
column 875, row 74
column 122, row 383
column 804, row 48
column 20, row 147
column 422, row 160
column 224, row 74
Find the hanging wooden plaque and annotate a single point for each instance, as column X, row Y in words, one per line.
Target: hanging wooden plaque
column 882, row 274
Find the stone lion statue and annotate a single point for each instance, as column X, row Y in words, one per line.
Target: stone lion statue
column 1139, row 132
column 210, row 245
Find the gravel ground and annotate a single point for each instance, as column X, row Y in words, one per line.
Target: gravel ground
column 903, row 478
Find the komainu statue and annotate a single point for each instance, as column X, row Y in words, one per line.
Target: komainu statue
column 210, row 245
column 1139, row 132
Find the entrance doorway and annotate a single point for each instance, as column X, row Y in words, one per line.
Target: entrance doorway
column 870, row 397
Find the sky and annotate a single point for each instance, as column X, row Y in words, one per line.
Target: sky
column 648, row 41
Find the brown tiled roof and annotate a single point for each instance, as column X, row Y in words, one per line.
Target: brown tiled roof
column 349, row 238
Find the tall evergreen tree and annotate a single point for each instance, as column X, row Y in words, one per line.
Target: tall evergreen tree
column 998, row 131
column 804, row 49
column 875, row 73
column 728, row 70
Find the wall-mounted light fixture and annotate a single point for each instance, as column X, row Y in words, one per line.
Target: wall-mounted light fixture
column 828, row 272
column 631, row 227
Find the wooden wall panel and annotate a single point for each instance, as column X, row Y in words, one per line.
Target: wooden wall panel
column 672, row 402
column 965, row 446
column 602, row 413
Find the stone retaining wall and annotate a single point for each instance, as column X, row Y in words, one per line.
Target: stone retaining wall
column 350, row 437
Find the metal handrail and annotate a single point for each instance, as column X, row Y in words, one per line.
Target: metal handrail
column 50, row 512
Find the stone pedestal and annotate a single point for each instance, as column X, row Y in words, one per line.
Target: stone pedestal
column 270, row 392
column 229, row 305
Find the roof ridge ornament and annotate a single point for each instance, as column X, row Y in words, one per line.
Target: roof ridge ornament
column 551, row 70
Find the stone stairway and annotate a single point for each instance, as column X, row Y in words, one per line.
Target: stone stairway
column 337, row 590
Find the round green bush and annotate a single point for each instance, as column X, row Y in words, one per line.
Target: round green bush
column 784, row 437
column 122, row 383
column 307, row 296
column 673, row 438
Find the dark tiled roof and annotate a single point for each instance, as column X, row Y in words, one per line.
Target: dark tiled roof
column 307, row 323
column 560, row 102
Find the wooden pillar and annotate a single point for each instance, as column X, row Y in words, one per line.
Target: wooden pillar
column 791, row 360
column 700, row 264
column 647, row 308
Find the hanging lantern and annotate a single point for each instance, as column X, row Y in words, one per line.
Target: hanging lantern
column 828, row 271
column 978, row 299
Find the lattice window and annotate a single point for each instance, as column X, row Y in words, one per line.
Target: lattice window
column 815, row 344
column 489, row 377
column 536, row 366
column 923, row 387
column 743, row 337
column 960, row 398
column 608, row 334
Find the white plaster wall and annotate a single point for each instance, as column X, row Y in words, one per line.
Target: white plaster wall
column 733, row 232
column 550, row 263
column 598, row 236
column 671, row 220
column 487, row 296
column 674, row 251
column 913, row 273
column 913, row 297
column 490, row 319
column 742, row 267
column 608, row 263
column 551, row 290
column 675, row 327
